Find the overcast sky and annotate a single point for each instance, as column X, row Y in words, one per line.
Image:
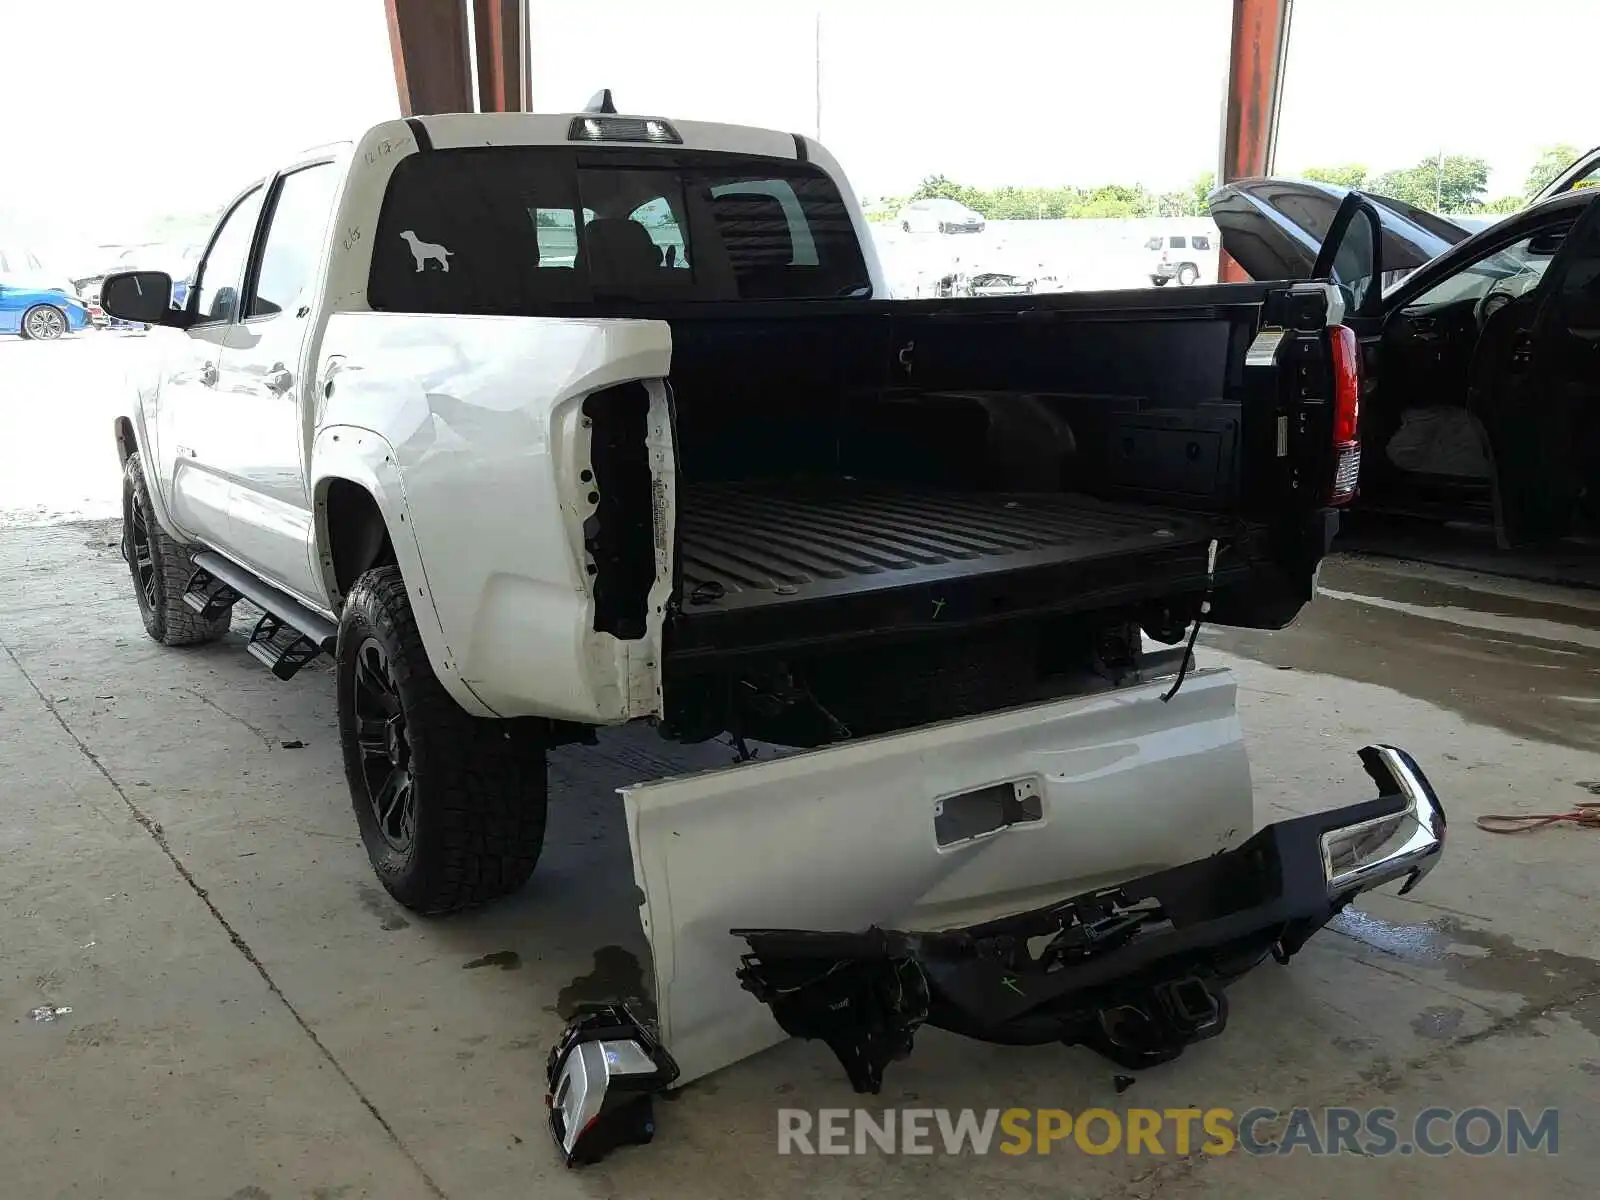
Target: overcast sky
column 152, row 105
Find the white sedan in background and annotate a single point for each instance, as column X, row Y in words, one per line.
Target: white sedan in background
column 940, row 216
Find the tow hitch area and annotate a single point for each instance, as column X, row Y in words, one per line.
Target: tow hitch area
column 602, row 1074
column 1135, row 972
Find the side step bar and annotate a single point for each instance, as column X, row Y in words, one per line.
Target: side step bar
column 287, row 636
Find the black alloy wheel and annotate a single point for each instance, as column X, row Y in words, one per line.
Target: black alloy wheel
column 386, row 764
column 139, row 553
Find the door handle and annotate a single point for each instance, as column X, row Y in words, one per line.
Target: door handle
column 279, row 378
column 208, row 374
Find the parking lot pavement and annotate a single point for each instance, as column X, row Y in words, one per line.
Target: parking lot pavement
column 251, row 1016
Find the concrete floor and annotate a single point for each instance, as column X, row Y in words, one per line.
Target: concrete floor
column 252, row 1018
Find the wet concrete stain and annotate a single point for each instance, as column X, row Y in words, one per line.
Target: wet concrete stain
column 506, row 960
column 1546, row 981
column 1533, row 674
column 1439, row 1022
column 381, row 906
column 617, row 978
column 1589, row 1067
column 1381, row 1074
column 251, row 1192
column 1354, row 1045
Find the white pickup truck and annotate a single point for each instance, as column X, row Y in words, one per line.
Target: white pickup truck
column 545, row 423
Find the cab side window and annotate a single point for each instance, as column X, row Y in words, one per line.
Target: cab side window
column 222, row 271
column 294, row 239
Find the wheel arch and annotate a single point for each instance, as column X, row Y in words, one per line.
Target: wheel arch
column 355, row 535
column 361, row 521
column 132, row 438
column 127, row 438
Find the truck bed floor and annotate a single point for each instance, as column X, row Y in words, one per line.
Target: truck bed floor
column 746, row 545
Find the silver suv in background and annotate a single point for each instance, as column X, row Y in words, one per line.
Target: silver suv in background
column 1180, row 256
column 939, row 215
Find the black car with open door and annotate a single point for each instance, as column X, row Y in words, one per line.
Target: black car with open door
column 1481, row 368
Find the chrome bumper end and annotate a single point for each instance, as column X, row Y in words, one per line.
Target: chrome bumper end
column 1401, row 845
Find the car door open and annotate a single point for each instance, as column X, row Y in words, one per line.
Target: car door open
column 1541, row 390
column 1352, row 258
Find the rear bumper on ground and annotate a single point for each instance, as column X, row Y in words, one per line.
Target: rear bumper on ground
column 1078, row 871
column 1135, row 972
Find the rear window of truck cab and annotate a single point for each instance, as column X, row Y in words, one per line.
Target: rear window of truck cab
column 529, row 230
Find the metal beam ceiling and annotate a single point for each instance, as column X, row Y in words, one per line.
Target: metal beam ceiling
column 439, row 47
column 1256, row 58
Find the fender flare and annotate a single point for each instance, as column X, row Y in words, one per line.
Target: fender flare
column 359, row 456
column 132, row 435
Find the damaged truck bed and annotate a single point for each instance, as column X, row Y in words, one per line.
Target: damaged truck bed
column 593, row 419
column 763, row 564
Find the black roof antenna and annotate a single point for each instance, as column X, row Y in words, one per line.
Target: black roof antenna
column 601, row 102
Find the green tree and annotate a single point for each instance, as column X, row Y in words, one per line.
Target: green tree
column 1176, row 204
column 1204, row 184
column 1551, row 162
column 1506, row 204
column 1116, row 200
column 1351, row 175
column 1451, row 183
column 937, row 187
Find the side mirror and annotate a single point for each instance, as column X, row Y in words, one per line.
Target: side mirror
column 142, row 297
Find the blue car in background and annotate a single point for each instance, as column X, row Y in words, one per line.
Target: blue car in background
column 39, row 314
column 32, row 305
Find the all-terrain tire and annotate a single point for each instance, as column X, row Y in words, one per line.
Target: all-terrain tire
column 476, row 788
column 161, row 568
column 1188, row 275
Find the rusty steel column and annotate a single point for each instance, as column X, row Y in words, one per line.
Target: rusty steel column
column 501, row 33
column 428, row 39
column 1255, row 85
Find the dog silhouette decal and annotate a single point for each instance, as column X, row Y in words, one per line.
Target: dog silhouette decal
column 422, row 251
